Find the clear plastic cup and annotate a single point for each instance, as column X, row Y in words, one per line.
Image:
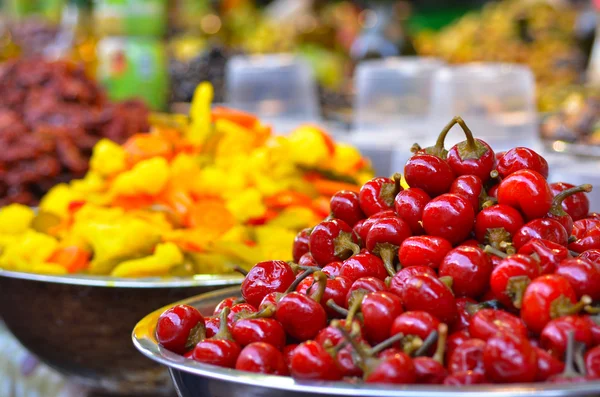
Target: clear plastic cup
column 279, row 88
column 496, row 100
column 392, row 108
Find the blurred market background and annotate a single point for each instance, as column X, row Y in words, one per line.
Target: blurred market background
column 377, row 74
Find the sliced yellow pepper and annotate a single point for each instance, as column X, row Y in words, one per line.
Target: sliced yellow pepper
column 165, row 257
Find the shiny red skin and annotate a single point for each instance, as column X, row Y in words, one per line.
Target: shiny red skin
column 549, row 252
column 547, row 365
column 583, row 275
column 346, row 362
column 427, row 293
column 287, row 353
column 367, row 284
column 308, row 260
column 594, row 329
column 429, row 173
column 301, row 317
column 554, row 335
column 576, row 205
column 538, row 298
column 399, row 280
column 456, row 339
column 493, row 191
column 323, row 241
column 423, row 251
column 335, row 288
column 468, row 356
column 449, row 216
column 174, row 326
column 237, row 309
column 464, row 316
column 489, row 322
column 513, row 266
column 363, row 265
column 469, row 187
column 417, row 323
column 587, row 232
column 249, row 330
column 212, row 324
column 592, row 363
column 592, row 256
column 300, row 246
column 545, row 229
column 332, row 269
column 270, row 300
column 219, row 352
column 470, row 269
column 521, row 158
column 345, row 206
column 429, row 371
column 509, row 359
column 379, row 310
column 370, row 198
column 266, row 277
column 310, row 361
column 227, row 302
column 480, row 167
column 526, row 191
column 409, row 205
column 465, row 378
column 362, row 227
column 396, row 369
column 495, row 217
column 261, row 358
column 387, row 231
column 331, row 335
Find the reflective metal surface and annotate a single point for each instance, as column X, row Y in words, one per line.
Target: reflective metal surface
column 81, row 325
column 194, row 379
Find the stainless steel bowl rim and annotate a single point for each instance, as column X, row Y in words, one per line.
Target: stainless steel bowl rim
column 284, row 383
column 117, row 282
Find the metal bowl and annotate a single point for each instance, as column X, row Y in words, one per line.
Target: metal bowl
column 81, row 325
column 193, row 379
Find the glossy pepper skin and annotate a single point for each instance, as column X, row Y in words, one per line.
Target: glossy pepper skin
column 331, row 241
column 521, row 158
column 547, row 253
column 449, row 216
column 577, row 205
column 527, row 191
column 378, row 195
column 345, row 205
column 429, row 173
column 409, row 205
column 497, row 223
column 470, row 187
column 587, row 233
column 545, row 229
column 264, row 278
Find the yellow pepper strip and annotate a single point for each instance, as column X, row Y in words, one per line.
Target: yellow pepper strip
column 201, row 123
column 165, row 257
column 146, row 177
column 15, row 219
column 29, row 249
column 49, row 268
column 108, row 158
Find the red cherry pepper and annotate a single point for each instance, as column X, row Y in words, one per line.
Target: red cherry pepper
column 555, row 334
column 379, row 310
column 266, row 277
column 396, row 369
column 497, row 224
column 521, row 158
column 429, row 173
column 385, row 237
column 577, row 205
column 430, row 370
column 332, row 241
column 471, row 188
column 587, row 233
column 212, row 325
column 449, row 216
column 249, row 330
column 221, row 350
column 547, row 253
column 426, row 293
column 227, row 302
column 365, row 284
column 363, row 265
column 239, row 310
column 336, row 289
column 489, row 322
column 423, row 251
column 472, row 156
column 332, row 269
column 468, row 356
column 584, row 276
column 558, row 213
column 592, row 256
column 362, row 227
column 469, row 268
column 310, row 361
column 179, row 328
column 509, row 359
column 547, row 365
column 378, row 194
column 416, row 323
column 510, row 278
column 465, row 378
column 307, row 260
column 261, row 358
column 345, row 206
column 409, row 205
column 527, row 191
column 548, row 297
column 398, row 282
column 546, row 229
column 300, row 246
column 456, row 339
column 463, row 308
column 592, row 363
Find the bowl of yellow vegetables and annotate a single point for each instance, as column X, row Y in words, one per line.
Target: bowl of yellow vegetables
column 167, row 215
